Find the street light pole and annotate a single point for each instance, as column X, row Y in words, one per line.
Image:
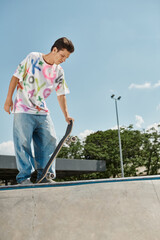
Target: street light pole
column 119, row 136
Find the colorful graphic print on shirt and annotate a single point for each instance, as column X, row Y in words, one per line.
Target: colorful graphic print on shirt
column 37, row 80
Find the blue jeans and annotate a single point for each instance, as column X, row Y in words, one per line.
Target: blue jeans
column 39, row 129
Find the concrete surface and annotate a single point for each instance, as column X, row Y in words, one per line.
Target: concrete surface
column 104, row 209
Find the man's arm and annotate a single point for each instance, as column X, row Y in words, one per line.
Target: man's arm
column 8, row 106
column 63, row 104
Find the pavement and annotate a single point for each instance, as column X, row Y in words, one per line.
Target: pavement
column 109, row 209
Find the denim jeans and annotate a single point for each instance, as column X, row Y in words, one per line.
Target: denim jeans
column 36, row 129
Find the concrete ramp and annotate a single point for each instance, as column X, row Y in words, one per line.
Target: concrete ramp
column 113, row 209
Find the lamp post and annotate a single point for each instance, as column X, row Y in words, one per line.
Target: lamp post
column 119, row 136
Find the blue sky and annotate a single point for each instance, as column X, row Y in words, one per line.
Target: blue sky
column 117, row 50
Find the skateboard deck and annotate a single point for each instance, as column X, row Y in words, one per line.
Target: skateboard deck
column 55, row 153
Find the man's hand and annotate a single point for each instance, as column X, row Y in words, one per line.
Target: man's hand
column 8, row 106
column 68, row 119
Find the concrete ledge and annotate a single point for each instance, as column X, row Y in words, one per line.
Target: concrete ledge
column 7, row 162
column 80, row 165
column 64, row 167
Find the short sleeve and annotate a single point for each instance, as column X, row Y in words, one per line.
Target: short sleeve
column 61, row 87
column 21, row 70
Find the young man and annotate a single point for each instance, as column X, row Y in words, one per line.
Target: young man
column 36, row 77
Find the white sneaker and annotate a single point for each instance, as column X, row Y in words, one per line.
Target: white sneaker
column 26, row 182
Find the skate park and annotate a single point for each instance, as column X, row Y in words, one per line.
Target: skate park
column 116, row 61
column 121, row 208
column 97, row 209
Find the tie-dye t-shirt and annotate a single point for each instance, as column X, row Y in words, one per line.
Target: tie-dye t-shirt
column 37, row 80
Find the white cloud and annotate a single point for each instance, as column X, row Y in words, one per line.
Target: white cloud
column 7, row 148
column 84, row 134
column 140, row 86
column 158, row 107
column 156, row 84
column 154, row 125
column 114, row 128
column 139, row 121
column 146, row 85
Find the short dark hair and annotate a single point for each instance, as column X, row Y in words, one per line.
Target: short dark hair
column 63, row 43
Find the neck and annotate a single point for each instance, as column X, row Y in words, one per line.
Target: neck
column 48, row 58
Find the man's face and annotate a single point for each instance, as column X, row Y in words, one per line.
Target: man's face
column 60, row 56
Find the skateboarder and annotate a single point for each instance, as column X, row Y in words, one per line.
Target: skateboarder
column 35, row 78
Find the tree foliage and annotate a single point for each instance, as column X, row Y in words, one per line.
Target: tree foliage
column 72, row 150
column 140, row 150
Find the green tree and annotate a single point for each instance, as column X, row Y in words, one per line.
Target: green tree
column 105, row 146
column 72, row 150
column 151, row 151
column 140, row 149
column 132, row 143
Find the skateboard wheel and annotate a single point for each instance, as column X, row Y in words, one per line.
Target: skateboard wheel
column 73, row 139
column 69, row 140
column 50, row 175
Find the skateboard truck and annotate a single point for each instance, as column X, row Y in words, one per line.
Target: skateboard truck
column 49, row 176
column 69, row 140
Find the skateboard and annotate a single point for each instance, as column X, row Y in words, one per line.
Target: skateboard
column 45, row 172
